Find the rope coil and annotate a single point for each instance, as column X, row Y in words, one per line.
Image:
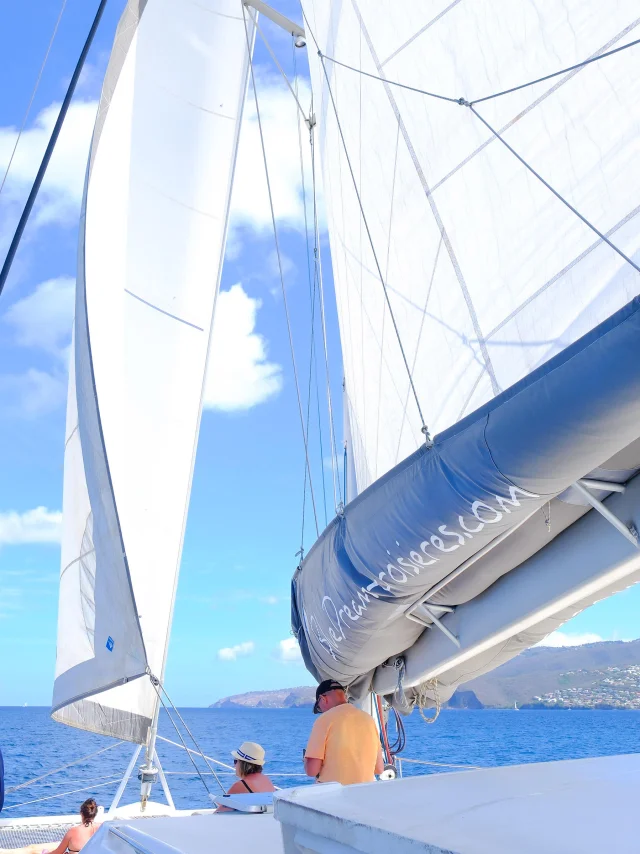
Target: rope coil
column 423, row 695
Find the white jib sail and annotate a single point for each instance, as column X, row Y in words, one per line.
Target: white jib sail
column 488, row 273
column 151, row 248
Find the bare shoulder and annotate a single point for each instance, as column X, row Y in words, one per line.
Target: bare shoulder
column 236, row 789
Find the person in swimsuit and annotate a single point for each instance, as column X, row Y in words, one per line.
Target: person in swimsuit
column 73, row 841
column 249, row 761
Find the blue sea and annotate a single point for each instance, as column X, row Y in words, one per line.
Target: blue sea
column 32, row 744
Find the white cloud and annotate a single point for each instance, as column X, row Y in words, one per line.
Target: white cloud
column 32, row 393
column 558, row 639
column 288, row 651
column 231, row 653
column 61, row 192
column 39, row 525
column 239, row 375
column 43, row 319
column 279, row 115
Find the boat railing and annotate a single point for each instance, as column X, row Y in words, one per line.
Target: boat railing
column 400, row 760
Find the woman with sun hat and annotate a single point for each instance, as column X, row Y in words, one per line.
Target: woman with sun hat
column 249, row 761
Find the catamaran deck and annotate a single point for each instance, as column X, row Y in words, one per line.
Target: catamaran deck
column 585, row 806
column 574, row 807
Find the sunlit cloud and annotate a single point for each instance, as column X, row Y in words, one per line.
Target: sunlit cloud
column 39, row 525
column 240, row 650
column 288, row 651
column 239, row 375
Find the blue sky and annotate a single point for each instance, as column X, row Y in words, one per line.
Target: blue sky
column 244, row 526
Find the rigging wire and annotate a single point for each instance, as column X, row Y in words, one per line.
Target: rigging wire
column 277, row 246
column 557, row 73
column 55, row 133
column 309, row 121
column 312, row 298
column 33, row 95
column 420, row 91
column 337, row 491
column 189, row 750
column 158, row 689
column 275, row 59
column 63, row 767
column 324, row 56
column 558, row 195
column 63, row 794
column 370, row 237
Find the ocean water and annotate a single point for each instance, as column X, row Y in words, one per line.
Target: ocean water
column 32, row 744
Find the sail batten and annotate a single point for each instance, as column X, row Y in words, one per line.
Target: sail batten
column 152, row 240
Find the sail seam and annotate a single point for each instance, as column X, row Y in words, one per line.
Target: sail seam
column 434, row 209
column 215, row 12
column 70, row 436
column 125, row 34
column 532, row 105
column 558, row 195
column 420, row 32
column 163, row 311
column 565, row 270
column 77, row 560
column 423, row 315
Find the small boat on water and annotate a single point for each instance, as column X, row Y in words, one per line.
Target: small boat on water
column 481, row 203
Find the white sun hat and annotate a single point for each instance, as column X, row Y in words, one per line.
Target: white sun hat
column 249, row 751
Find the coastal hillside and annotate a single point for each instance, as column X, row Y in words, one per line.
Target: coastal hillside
column 595, row 675
column 284, row 698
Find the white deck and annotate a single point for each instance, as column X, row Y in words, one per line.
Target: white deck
column 576, row 807
column 586, row 806
column 223, row 833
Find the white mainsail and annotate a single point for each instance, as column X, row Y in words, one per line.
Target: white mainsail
column 488, row 273
column 151, row 247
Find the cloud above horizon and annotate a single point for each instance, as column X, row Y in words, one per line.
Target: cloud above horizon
column 279, row 115
column 39, row 525
column 288, row 651
column 239, row 375
column 61, row 193
column 561, row 639
column 240, row 650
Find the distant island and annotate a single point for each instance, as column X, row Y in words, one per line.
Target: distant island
column 594, row 676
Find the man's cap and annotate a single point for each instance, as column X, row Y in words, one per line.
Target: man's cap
column 324, row 688
column 251, row 752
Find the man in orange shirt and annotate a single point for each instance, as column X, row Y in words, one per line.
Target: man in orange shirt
column 344, row 746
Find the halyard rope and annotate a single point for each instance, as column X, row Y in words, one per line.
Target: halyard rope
column 422, row 696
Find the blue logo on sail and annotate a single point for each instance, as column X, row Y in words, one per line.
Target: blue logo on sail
column 110, row 643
